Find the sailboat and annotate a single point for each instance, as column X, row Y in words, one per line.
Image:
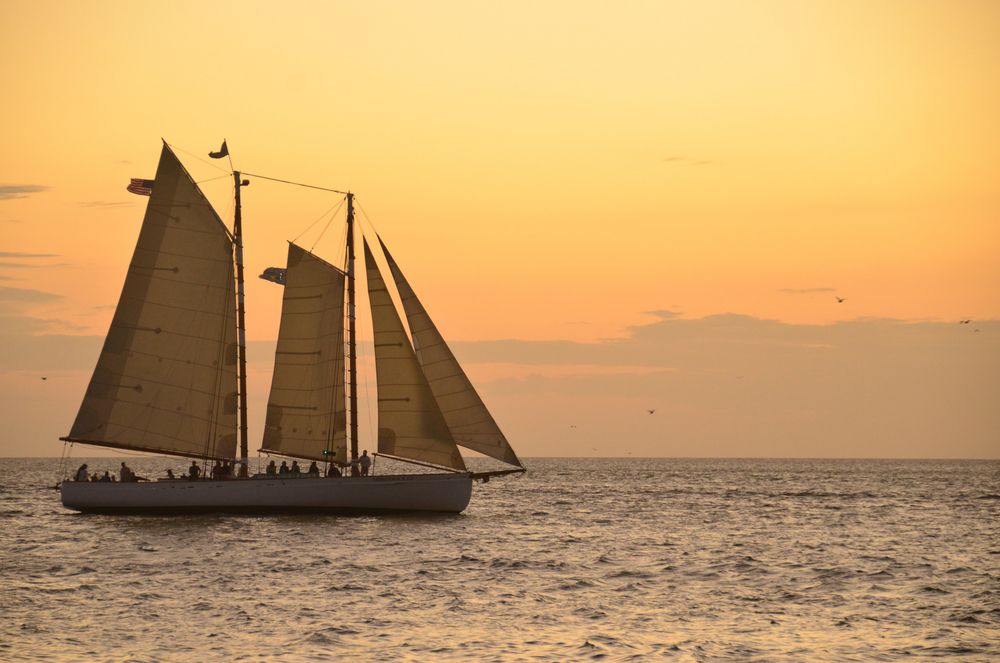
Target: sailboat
column 171, row 377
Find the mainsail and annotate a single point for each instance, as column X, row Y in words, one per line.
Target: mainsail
column 410, row 422
column 471, row 424
column 306, row 408
column 166, row 377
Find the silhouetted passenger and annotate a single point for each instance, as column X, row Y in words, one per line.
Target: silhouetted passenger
column 283, row 470
column 81, row 473
column 313, row 470
column 365, row 462
column 126, row 473
column 194, row 471
column 170, row 474
column 271, row 469
column 295, row 471
column 107, row 478
column 333, row 471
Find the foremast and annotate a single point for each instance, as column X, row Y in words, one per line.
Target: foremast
column 241, row 327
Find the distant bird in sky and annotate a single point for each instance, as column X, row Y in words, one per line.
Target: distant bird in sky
column 44, row 378
column 572, row 425
column 964, row 322
column 841, row 300
column 976, row 330
column 651, row 411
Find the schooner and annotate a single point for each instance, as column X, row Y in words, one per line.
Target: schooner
column 171, row 376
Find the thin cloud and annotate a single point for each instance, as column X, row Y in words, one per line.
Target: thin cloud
column 805, row 291
column 26, row 295
column 24, row 265
column 105, row 203
column 18, row 254
column 10, row 191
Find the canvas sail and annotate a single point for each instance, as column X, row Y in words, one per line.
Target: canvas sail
column 410, row 423
column 306, row 408
column 470, row 423
column 166, row 377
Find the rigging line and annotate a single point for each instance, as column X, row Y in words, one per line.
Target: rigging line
column 308, row 186
column 367, row 218
column 334, row 209
column 192, row 154
column 326, row 227
column 212, row 179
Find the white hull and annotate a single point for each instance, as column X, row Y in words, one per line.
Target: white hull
column 448, row 493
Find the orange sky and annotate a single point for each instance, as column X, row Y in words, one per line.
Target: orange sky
column 540, row 170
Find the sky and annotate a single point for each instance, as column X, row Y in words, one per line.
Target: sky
column 607, row 208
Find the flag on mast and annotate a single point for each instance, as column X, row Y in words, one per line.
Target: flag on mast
column 223, row 152
column 140, row 186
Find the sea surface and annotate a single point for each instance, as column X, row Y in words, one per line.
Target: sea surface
column 579, row 559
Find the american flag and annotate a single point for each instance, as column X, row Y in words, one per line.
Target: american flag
column 141, row 186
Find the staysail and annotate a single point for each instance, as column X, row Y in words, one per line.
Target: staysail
column 410, row 423
column 471, row 424
column 166, row 377
column 306, row 408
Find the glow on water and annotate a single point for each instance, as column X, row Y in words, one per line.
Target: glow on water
column 579, row 559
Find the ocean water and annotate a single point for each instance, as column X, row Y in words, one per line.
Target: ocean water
column 580, row 559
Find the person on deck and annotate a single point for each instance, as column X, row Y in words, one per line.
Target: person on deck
column 271, row 469
column 295, row 471
column 107, row 478
column 333, row 471
column 194, row 471
column 365, row 462
column 81, row 473
column 283, row 470
column 313, row 470
column 126, row 474
column 170, row 474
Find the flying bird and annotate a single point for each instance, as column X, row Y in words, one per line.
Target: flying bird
column 964, row 322
column 841, row 300
column 651, row 411
column 44, row 378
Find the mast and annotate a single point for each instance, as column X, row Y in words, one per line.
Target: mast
column 352, row 355
column 241, row 325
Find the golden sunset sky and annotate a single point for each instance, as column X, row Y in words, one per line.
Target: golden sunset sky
column 586, row 195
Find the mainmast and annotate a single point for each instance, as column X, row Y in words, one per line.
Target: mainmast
column 241, row 325
column 352, row 355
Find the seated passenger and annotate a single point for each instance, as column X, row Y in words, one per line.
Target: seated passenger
column 283, row 470
column 107, row 478
column 170, row 474
column 295, row 468
column 333, row 471
column 194, row 471
column 271, row 469
column 126, row 473
column 81, row 473
column 313, row 469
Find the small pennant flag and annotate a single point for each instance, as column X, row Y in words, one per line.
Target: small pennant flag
column 223, row 152
column 274, row 275
column 141, row 187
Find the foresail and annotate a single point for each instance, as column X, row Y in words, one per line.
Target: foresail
column 410, row 423
column 166, row 377
column 471, row 424
column 306, row 407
